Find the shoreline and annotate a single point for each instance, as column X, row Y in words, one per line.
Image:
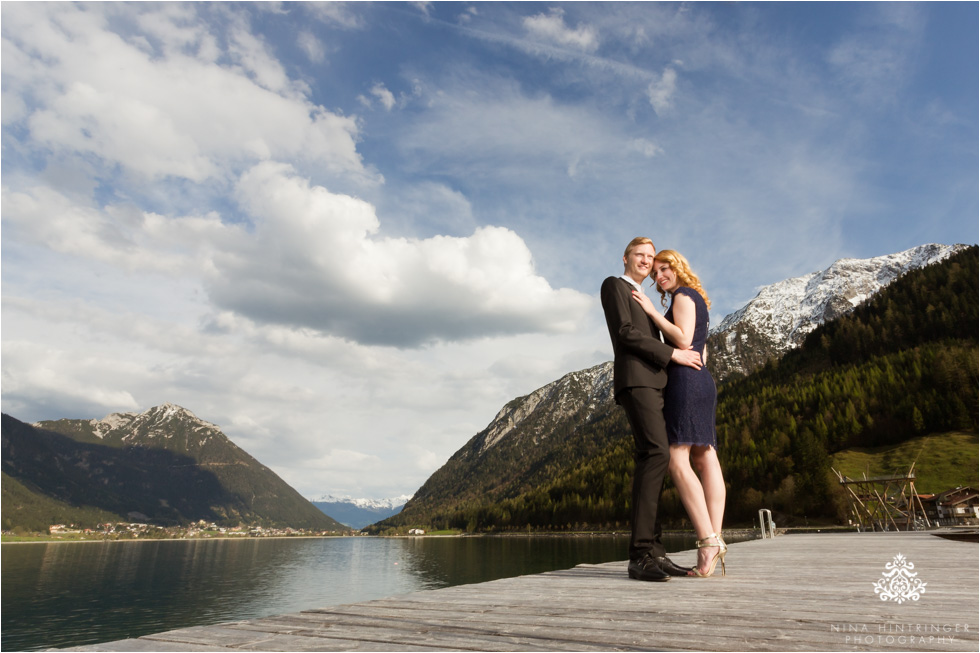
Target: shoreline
column 747, row 533
column 743, row 533
column 180, row 539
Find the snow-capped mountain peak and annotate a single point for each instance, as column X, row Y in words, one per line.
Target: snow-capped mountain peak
column 782, row 314
column 358, row 513
column 368, row 504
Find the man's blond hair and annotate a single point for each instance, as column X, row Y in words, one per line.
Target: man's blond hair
column 636, row 242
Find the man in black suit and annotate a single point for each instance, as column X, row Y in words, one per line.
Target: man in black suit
column 639, row 376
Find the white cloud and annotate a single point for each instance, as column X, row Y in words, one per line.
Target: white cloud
column 467, row 15
column 312, row 46
column 381, row 94
column 425, row 7
column 54, row 375
column 120, row 235
column 385, row 97
column 340, row 14
column 661, row 91
column 645, row 147
column 253, row 57
column 315, row 261
column 170, row 111
column 551, row 27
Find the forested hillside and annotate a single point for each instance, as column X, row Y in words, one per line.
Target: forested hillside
column 901, row 366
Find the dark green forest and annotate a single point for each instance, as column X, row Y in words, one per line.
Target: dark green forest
column 900, row 366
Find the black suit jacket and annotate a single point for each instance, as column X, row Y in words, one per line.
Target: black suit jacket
column 641, row 357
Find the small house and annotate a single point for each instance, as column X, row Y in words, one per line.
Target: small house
column 959, row 506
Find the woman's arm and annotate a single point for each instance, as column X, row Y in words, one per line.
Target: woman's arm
column 680, row 332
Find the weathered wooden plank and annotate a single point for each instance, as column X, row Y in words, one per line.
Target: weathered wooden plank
column 594, row 632
column 265, row 636
column 147, row 644
column 798, row 592
column 599, row 629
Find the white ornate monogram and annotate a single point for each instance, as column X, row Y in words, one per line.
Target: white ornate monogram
column 899, row 583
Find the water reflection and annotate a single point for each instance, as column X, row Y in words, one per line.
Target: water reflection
column 65, row 594
column 440, row 562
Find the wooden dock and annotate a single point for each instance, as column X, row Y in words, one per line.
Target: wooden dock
column 812, row 592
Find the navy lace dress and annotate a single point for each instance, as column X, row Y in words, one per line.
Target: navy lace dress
column 690, row 396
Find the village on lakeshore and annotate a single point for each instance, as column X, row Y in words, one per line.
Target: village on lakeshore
column 144, row 531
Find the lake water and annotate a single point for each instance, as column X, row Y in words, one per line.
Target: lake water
column 74, row 593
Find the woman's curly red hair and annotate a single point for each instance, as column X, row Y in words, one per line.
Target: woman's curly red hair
column 685, row 276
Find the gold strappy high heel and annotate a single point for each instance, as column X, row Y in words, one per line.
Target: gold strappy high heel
column 719, row 557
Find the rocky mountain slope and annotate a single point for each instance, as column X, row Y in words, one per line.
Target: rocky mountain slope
column 782, row 314
column 530, row 438
column 164, row 465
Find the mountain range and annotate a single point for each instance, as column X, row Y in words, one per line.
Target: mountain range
column 358, row 513
column 164, row 466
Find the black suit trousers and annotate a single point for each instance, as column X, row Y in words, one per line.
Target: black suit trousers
column 644, row 410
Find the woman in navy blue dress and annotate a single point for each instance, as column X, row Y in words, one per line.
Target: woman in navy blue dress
column 689, row 406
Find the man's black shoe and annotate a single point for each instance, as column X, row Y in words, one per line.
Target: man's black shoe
column 671, row 567
column 646, row 568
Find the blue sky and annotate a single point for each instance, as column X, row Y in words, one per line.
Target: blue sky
column 348, row 234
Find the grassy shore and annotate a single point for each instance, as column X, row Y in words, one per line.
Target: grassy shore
column 942, row 461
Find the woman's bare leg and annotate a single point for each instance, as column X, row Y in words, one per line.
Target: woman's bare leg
column 693, row 498
column 705, row 461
